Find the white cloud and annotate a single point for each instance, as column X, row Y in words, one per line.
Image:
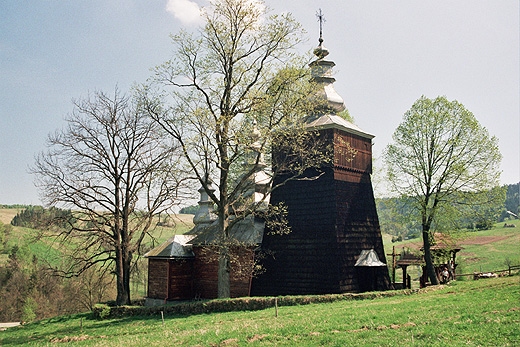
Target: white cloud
column 188, row 12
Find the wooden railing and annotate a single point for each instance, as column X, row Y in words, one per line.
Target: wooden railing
column 489, row 274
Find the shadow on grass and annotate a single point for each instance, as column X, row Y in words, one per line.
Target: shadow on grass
column 72, row 328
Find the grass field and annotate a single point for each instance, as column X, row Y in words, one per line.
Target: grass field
column 7, row 214
column 468, row 313
column 481, row 251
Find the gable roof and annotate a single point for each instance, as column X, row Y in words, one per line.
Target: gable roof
column 369, row 258
column 175, row 247
column 331, row 121
column 249, row 231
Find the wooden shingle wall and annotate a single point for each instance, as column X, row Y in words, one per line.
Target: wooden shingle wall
column 333, row 218
column 206, row 272
column 303, row 261
column 157, row 278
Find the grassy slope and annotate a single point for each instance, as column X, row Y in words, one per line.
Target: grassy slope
column 482, row 312
column 25, row 236
column 482, row 251
column 469, row 313
column 48, row 250
column 7, row 214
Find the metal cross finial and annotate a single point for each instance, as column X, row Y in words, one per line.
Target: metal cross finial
column 322, row 20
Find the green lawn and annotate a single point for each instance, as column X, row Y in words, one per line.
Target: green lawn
column 468, row 313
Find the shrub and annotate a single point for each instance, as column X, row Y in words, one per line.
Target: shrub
column 101, row 311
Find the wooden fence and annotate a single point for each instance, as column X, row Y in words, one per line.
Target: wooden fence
column 489, row 274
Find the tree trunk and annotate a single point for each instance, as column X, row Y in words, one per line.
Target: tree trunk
column 430, row 269
column 123, row 261
column 223, row 273
column 223, row 254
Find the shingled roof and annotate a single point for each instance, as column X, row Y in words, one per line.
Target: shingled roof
column 328, row 121
column 369, row 258
column 175, row 247
column 249, row 231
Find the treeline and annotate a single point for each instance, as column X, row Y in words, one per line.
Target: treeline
column 512, row 203
column 37, row 217
column 189, row 209
column 15, row 206
column 398, row 218
column 29, row 288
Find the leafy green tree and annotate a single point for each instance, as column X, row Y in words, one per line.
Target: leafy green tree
column 233, row 86
column 395, row 217
column 114, row 167
column 438, row 152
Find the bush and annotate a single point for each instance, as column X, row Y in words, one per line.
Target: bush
column 29, row 309
column 101, row 311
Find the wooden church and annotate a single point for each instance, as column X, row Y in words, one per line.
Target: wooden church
column 335, row 245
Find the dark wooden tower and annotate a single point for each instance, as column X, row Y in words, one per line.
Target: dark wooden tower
column 333, row 218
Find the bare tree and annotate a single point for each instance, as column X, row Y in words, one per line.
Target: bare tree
column 114, row 168
column 238, row 90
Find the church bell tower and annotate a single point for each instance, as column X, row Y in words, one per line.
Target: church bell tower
column 333, row 218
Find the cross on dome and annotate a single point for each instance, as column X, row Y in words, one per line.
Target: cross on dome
column 321, row 52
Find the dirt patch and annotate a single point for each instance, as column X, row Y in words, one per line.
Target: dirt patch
column 483, row 240
column 256, row 338
column 70, row 339
column 475, row 240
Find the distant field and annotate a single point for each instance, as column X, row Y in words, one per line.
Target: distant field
column 7, row 214
column 468, row 313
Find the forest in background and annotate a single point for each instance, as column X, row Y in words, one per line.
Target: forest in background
column 398, row 219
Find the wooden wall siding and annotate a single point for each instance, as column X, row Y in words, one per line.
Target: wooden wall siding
column 181, row 279
column 205, row 269
column 343, row 158
column 170, row 279
column 157, row 278
column 206, row 272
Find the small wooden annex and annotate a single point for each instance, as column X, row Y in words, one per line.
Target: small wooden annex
column 186, row 266
column 170, row 270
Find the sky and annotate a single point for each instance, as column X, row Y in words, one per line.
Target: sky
column 388, row 53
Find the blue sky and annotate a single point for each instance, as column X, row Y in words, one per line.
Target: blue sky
column 387, row 54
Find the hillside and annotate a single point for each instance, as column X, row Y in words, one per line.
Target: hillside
column 481, row 251
column 468, row 313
